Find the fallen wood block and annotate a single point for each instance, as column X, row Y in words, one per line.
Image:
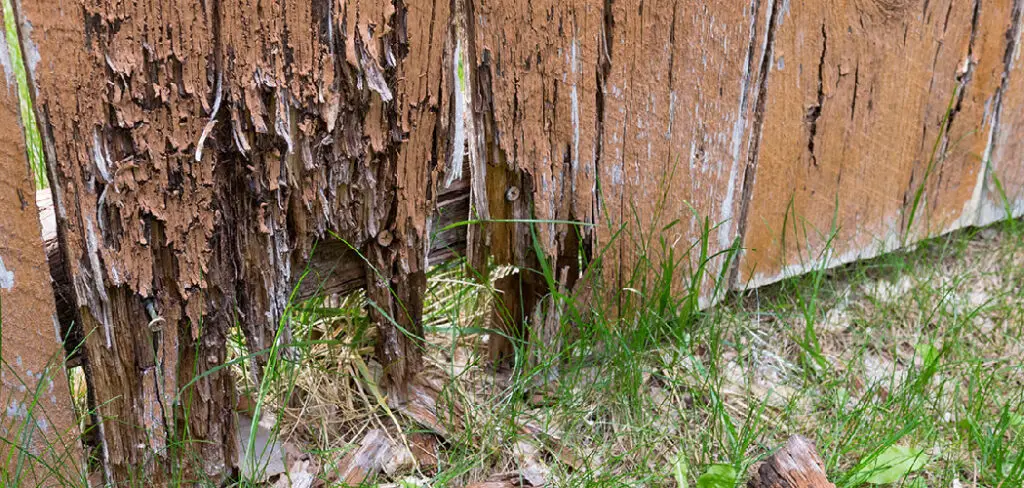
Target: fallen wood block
column 419, row 402
column 424, row 449
column 797, row 465
column 367, row 460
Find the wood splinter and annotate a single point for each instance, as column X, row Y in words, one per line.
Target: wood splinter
column 796, row 465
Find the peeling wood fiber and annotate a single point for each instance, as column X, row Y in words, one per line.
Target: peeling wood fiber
column 201, row 152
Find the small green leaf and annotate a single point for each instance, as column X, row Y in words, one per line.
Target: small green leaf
column 680, row 468
column 928, row 354
column 718, row 476
column 918, row 483
column 892, row 464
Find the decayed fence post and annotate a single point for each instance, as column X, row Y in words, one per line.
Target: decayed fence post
column 204, row 155
column 38, row 436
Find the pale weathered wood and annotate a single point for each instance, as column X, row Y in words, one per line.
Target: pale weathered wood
column 796, row 465
column 1003, row 186
column 365, row 461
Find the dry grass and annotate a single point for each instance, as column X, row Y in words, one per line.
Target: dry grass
column 918, row 349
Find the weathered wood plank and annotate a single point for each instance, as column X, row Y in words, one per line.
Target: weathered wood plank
column 200, row 152
column 681, row 104
column 535, row 139
column 880, row 108
column 633, row 118
column 1003, row 187
column 795, row 465
column 40, row 445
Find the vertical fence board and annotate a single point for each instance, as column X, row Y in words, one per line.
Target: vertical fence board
column 1003, row 187
column 40, row 446
column 681, row 103
column 202, row 153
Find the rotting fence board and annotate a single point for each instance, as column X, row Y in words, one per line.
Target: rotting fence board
column 652, row 116
column 327, row 120
column 634, row 117
column 856, row 101
column 37, row 423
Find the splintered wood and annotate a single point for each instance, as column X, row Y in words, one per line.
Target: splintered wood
column 796, row 465
column 201, row 153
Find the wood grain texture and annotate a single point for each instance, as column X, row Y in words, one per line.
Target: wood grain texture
column 40, row 436
column 795, row 465
column 1003, row 187
column 682, row 99
column 631, row 118
column 876, row 122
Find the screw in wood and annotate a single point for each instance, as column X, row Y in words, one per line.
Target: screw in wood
column 512, row 194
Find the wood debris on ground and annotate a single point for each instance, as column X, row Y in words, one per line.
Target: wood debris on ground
column 796, row 465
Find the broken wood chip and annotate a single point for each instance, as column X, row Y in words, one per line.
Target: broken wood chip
column 367, row 460
column 419, row 402
column 301, row 474
column 797, row 465
column 424, row 449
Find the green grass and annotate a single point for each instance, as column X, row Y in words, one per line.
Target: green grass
column 33, row 142
column 917, row 350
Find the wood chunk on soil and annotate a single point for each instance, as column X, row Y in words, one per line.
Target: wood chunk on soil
column 797, row 465
column 366, row 461
column 418, row 401
column 424, row 449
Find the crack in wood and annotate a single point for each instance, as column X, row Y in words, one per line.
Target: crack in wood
column 750, row 172
column 814, row 112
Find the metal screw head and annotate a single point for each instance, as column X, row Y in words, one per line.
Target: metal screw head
column 384, row 238
column 512, row 194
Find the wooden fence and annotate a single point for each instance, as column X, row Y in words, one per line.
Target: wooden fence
column 204, row 156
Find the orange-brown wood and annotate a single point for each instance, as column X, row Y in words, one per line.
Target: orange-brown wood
column 876, row 122
column 40, row 445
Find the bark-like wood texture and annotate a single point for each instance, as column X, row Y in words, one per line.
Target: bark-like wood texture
column 200, row 152
column 796, row 465
column 40, row 440
column 210, row 158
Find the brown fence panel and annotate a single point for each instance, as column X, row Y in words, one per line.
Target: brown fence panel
column 38, row 435
column 1003, row 187
column 877, row 119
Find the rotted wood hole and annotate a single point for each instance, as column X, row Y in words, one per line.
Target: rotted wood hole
column 204, row 157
